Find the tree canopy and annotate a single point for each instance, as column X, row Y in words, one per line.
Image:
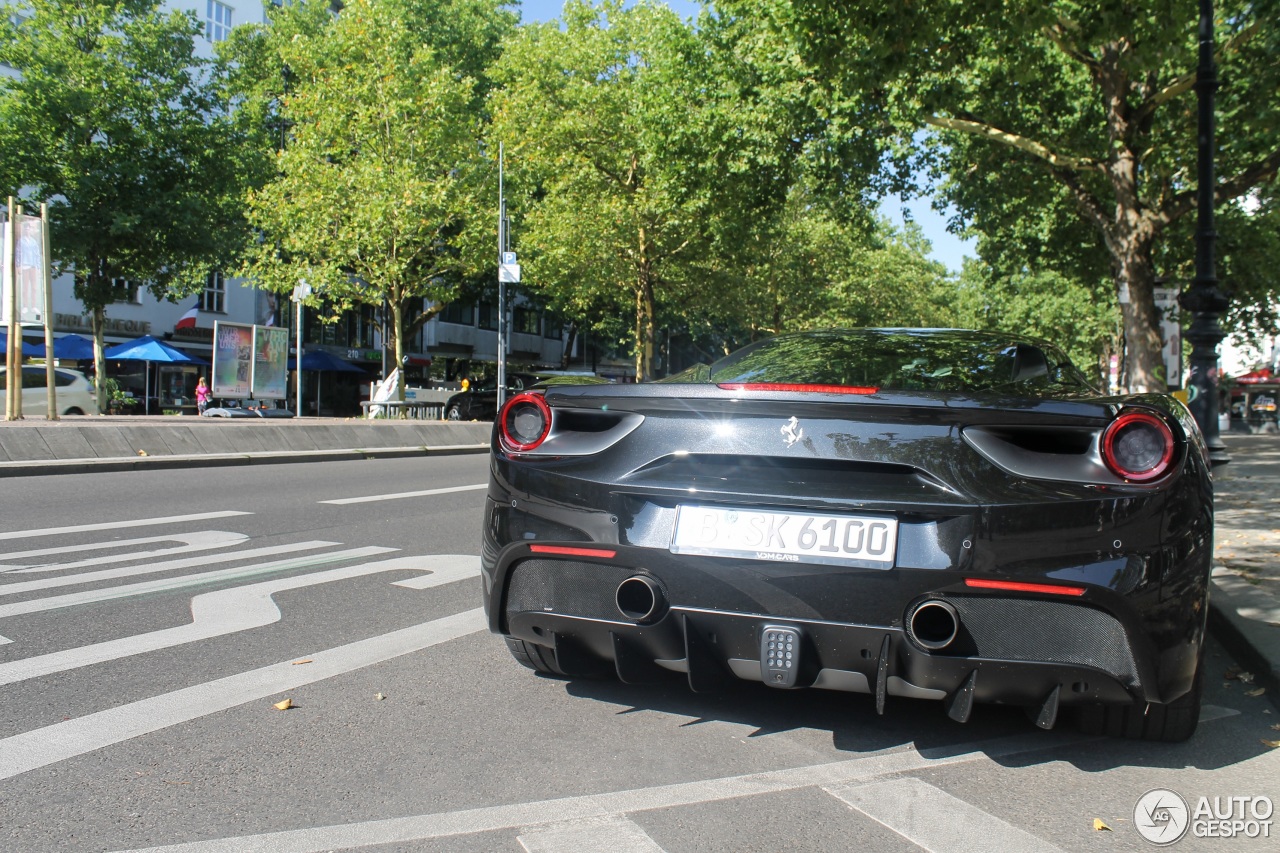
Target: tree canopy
column 1045, row 117
column 117, row 122
column 381, row 163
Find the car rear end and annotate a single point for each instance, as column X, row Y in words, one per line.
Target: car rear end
column 966, row 547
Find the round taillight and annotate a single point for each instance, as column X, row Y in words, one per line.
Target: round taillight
column 1138, row 446
column 524, row 422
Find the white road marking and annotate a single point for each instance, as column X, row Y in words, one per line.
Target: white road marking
column 200, row 540
column 398, row 495
column 61, row 741
column 520, row 815
column 4, row 640
column 614, row 834
column 39, row 605
column 115, row 525
column 163, row 566
column 226, row 611
column 935, row 820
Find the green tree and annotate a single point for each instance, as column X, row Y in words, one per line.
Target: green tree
column 117, row 122
column 646, row 154
column 1043, row 115
column 381, row 165
column 1082, row 318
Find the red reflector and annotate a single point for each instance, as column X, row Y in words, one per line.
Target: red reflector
column 1019, row 586
column 573, row 552
column 791, row 386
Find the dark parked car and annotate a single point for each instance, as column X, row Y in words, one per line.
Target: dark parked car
column 480, row 401
column 932, row 514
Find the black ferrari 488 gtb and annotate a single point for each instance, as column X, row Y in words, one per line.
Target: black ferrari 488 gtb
column 934, row 514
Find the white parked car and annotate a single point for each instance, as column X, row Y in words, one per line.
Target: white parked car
column 74, row 392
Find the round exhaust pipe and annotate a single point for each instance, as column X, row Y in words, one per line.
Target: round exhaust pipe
column 933, row 625
column 640, row 599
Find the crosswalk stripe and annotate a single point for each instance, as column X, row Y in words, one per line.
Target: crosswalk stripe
column 200, row 540
column 39, row 605
column 116, row 525
column 614, row 834
column 399, row 495
column 227, row 611
column 935, row 820
column 517, row 816
column 60, row 741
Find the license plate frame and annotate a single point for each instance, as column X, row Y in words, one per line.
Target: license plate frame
column 838, row 539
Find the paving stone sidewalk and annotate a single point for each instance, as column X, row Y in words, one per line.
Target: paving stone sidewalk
column 1245, row 600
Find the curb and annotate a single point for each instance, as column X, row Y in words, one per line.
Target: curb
column 1250, row 639
column 222, row 460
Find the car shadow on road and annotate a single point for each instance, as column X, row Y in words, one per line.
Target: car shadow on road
column 856, row 728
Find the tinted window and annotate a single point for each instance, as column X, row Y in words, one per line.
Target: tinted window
column 906, row 360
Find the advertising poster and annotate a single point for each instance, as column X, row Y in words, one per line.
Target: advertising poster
column 30, row 269
column 232, row 360
column 270, row 363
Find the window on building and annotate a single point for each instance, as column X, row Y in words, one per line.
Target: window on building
column 217, row 21
column 456, row 312
column 488, row 318
column 214, row 297
column 124, row 290
column 552, row 326
column 526, row 321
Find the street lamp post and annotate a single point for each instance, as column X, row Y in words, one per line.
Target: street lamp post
column 1204, row 299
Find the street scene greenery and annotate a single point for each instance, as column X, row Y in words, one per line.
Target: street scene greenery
column 676, row 188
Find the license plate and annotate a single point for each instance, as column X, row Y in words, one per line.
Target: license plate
column 787, row 537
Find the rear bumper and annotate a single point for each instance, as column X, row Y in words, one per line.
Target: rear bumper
column 1025, row 649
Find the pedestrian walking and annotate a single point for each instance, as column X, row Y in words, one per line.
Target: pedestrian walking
column 202, row 395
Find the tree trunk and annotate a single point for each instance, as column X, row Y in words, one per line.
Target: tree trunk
column 1143, row 344
column 98, row 322
column 397, row 343
column 645, row 310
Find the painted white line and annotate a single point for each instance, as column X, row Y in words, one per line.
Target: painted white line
column 226, row 611
column 200, row 540
column 614, row 834
column 398, row 495
column 162, row 566
column 116, row 525
column 516, row 816
column 60, row 741
column 40, row 605
column 4, row 640
column 935, row 820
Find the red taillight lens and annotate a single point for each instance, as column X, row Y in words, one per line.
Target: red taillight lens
column 524, row 422
column 1138, row 446
column 1023, row 586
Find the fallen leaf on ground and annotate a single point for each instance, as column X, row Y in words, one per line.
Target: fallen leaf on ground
column 1257, row 692
column 1271, row 743
column 142, row 453
column 1275, row 727
column 301, row 662
column 379, row 696
column 283, row 705
column 1099, row 826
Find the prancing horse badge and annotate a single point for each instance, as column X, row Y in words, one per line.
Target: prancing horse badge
column 792, row 431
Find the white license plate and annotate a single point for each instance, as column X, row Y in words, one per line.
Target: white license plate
column 793, row 537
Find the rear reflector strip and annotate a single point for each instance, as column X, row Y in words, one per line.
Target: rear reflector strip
column 564, row 551
column 810, row 389
column 1019, row 586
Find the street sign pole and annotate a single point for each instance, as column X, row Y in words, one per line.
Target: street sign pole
column 502, row 287
column 301, row 292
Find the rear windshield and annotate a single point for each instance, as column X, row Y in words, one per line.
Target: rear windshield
column 906, row 360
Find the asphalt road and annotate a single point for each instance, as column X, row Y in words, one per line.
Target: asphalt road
column 149, row 622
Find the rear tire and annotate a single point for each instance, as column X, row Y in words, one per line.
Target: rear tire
column 454, row 413
column 538, row 658
column 1171, row 723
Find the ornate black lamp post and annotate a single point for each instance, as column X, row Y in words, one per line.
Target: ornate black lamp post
column 1203, row 299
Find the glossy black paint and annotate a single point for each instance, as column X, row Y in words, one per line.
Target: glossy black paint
column 620, row 459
